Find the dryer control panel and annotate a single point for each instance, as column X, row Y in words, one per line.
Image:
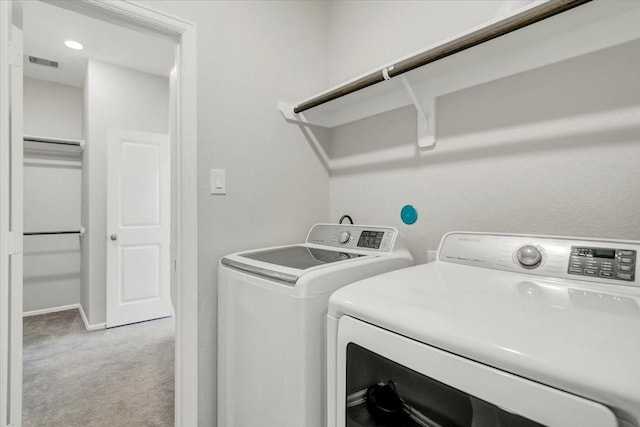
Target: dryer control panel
column 605, row 261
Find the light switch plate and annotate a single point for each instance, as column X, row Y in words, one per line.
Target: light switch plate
column 218, row 181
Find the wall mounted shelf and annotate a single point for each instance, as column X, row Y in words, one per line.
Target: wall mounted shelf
column 53, row 152
column 583, row 29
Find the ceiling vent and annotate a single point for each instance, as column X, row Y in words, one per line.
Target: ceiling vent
column 42, row 61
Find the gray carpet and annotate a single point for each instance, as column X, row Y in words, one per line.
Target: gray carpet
column 115, row 377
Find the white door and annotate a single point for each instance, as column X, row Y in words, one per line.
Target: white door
column 138, row 227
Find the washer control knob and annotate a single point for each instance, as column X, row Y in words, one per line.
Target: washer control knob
column 529, row 256
column 344, row 237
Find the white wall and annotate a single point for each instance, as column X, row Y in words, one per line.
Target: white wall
column 364, row 35
column 551, row 151
column 115, row 97
column 52, row 196
column 250, row 56
column 52, row 109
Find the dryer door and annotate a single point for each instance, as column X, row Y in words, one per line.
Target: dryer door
column 384, row 379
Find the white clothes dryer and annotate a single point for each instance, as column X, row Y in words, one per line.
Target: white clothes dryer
column 272, row 307
column 501, row 330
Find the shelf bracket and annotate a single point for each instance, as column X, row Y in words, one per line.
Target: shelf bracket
column 306, row 128
column 426, row 119
column 286, row 110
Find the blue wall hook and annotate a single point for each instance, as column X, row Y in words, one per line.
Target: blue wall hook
column 408, row 214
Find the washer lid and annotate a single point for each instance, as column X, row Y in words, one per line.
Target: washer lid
column 574, row 335
column 299, row 257
column 287, row 263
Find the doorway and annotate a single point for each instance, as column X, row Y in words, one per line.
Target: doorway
column 186, row 368
column 86, row 80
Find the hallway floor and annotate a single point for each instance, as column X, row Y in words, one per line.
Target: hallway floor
column 114, row 377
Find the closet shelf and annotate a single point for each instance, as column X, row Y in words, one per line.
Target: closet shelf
column 469, row 59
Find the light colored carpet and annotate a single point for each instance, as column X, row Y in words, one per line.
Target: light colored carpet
column 115, row 377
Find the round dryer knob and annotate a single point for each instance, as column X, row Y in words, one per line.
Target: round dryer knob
column 529, row 256
column 344, row 237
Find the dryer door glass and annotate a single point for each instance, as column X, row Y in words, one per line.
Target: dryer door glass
column 383, row 393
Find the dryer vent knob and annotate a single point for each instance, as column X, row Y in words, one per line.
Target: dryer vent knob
column 529, row 256
column 344, row 237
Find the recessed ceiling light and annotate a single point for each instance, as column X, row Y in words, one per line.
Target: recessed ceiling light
column 73, row 45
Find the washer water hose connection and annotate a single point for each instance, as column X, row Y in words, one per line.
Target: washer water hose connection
column 343, row 217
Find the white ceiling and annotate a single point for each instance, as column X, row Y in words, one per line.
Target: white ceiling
column 46, row 27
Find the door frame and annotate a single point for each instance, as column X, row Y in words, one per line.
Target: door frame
column 11, row 193
column 141, row 17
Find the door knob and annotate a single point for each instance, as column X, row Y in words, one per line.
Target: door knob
column 114, row 236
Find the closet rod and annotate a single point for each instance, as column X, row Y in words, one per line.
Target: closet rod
column 490, row 32
column 44, row 141
column 42, row 233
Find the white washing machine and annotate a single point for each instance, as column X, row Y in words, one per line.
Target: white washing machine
column 501, row 330
column 272, row 307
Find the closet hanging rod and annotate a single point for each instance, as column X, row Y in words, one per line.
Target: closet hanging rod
column 46, row 233
column 55, row 141
column 484, row 34
column 74, row 144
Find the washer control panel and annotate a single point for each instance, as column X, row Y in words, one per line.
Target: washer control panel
column 611, row 263
column 347, row 236
column 592, row 260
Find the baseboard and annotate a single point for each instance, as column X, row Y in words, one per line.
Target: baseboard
column 88, row 326
column 51, row 310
